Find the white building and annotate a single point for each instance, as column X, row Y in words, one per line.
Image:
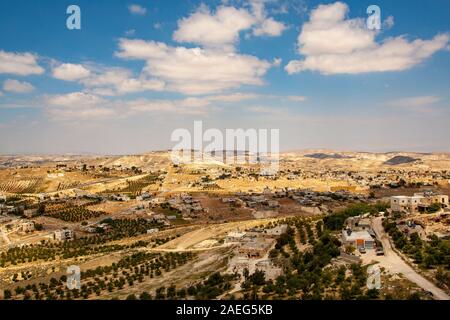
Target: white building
column 63, row 235
column 27, row 226
column 418, row 202
column 358, row 239
column 405, row 203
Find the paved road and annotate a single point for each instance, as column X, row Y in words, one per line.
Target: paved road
column 392, row 262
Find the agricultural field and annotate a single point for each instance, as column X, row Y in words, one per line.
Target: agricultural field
column 22, row 185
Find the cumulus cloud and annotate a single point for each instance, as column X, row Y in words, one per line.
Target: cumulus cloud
column 137, row 9
column 70, row 72
column 333, row 44
column 219, row 30
column 106, row 81
column 269, row 27
column 74, row 99
column 119, row 81
column 21, row 64
column 17, row 86
column 265, row 26
column 194, row 70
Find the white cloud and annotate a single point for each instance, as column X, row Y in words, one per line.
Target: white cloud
column 265, row 26
column 194, row 70
column 297, row 98
column 22, row 64
column 1, row 93
column 333, row 44
column 70, row 72
column 77, row 105
column 269, row 27
column 219, row 30
column 88, row 106
column 17, row 86
column 183, row 106
column 119, row 81
column 137, row 9
column 106, row 81
column 74, row 99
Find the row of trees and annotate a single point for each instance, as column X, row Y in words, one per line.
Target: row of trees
column 124, row 274
column 49, row 250
column 77, row 214
column 430, row 253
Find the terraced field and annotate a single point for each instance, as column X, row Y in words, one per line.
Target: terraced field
column 22, row 185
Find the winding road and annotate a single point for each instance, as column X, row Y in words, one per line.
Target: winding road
column 395, row 264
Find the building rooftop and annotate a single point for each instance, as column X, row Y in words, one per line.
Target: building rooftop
column 357, row 235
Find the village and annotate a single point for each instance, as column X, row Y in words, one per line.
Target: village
column 257, row 221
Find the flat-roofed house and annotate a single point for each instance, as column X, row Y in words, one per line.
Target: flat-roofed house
column 63, row 235
column 406, row 204
column 256, row 249
column 358, row 239
column 418, row 202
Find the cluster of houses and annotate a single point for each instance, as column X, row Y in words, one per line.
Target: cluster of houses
column 314, row 198
column 187, row 205
column 269, row 200
column 380, row 179
column 260, row 201
column 19, row 225
column 251, row 251
column 419, row 202
column 5, row 210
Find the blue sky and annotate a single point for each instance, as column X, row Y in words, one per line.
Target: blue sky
column 137, row 70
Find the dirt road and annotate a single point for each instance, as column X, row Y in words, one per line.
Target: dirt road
column 190, row 239
column 394, row 263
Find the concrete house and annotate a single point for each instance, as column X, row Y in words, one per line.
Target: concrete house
column 358, row 239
